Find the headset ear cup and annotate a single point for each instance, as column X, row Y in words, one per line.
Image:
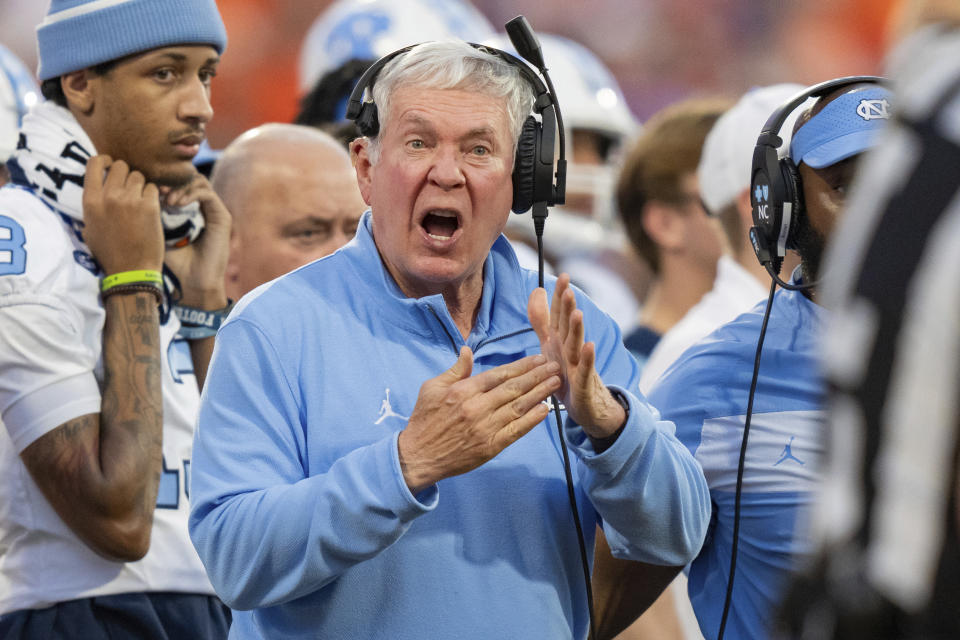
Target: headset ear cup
column 793, row 193
column 524, row 166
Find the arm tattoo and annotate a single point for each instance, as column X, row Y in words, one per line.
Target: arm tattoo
column 142, row 320
column 99, row 470
column 132, row 406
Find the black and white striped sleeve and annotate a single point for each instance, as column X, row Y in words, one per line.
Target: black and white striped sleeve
column 892, row 351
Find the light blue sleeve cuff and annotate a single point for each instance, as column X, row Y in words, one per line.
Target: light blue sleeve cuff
column 647, row 487
column 425, row 500
column 639, row 426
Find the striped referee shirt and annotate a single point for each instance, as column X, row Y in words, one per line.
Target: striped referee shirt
column 892, row 350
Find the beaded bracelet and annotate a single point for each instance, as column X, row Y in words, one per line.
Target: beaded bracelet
column 134, row 287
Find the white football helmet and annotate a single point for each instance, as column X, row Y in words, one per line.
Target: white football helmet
column 583, row 237
column 596, row 115
column 373, row 28
column 18, row 92
column 589, row 96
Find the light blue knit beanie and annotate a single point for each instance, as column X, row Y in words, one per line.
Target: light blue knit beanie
column 77, row 34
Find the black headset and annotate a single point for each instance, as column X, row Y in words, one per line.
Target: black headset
column 533, row 184
column 776, row 192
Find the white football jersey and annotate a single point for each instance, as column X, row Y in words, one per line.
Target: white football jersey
column 51, row 371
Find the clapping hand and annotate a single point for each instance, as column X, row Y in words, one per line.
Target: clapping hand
column 561, row 332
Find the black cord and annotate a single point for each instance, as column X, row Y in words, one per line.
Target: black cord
column 571, row 494
column 576, row 516
column 742, row 461
column 787, row 285
column 539, row 233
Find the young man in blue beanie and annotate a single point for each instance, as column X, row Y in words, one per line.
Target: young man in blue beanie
column 107, row 327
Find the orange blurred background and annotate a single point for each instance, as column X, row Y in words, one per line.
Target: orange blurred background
column 659, row 50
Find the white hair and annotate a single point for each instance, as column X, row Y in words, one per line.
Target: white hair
column 453, row 64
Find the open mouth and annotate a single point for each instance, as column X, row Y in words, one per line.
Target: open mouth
column 440, row 224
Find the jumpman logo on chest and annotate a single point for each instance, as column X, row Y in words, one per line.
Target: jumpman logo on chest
column 386, row 410
column 788, row 454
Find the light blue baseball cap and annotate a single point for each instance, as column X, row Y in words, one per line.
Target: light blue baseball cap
column 846, row 126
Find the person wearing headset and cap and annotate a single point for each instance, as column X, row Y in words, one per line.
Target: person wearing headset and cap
column 707, row 391
column 99, row 380
column 373, row 457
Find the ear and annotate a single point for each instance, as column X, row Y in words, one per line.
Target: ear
column 745, row 208
column 232, row 274
column 664, row 224
column 360, row 157
column 78, row 87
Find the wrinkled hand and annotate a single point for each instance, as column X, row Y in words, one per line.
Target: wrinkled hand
column 462, row 421
column 121, row 215
column 200, row 266
column 560, row 330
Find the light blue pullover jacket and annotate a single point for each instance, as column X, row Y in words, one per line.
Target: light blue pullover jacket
column 705, row 393
column 299, row 509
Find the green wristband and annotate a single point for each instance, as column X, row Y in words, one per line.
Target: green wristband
column 131, row 277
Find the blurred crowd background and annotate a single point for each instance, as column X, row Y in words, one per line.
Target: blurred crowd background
column 659, row 50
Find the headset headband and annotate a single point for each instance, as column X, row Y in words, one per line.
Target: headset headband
column 770, row 134
column 355, row 102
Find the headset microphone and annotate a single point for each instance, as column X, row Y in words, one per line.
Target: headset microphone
column 525, row 41
column 535, row 146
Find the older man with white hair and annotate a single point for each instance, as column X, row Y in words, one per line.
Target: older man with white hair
column 374, row 456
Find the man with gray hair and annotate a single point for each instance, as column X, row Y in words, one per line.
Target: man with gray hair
column 374, row 457
column 293, row 197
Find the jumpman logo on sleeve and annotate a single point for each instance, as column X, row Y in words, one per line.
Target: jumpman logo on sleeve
column 386, row 411
column 788, row 454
